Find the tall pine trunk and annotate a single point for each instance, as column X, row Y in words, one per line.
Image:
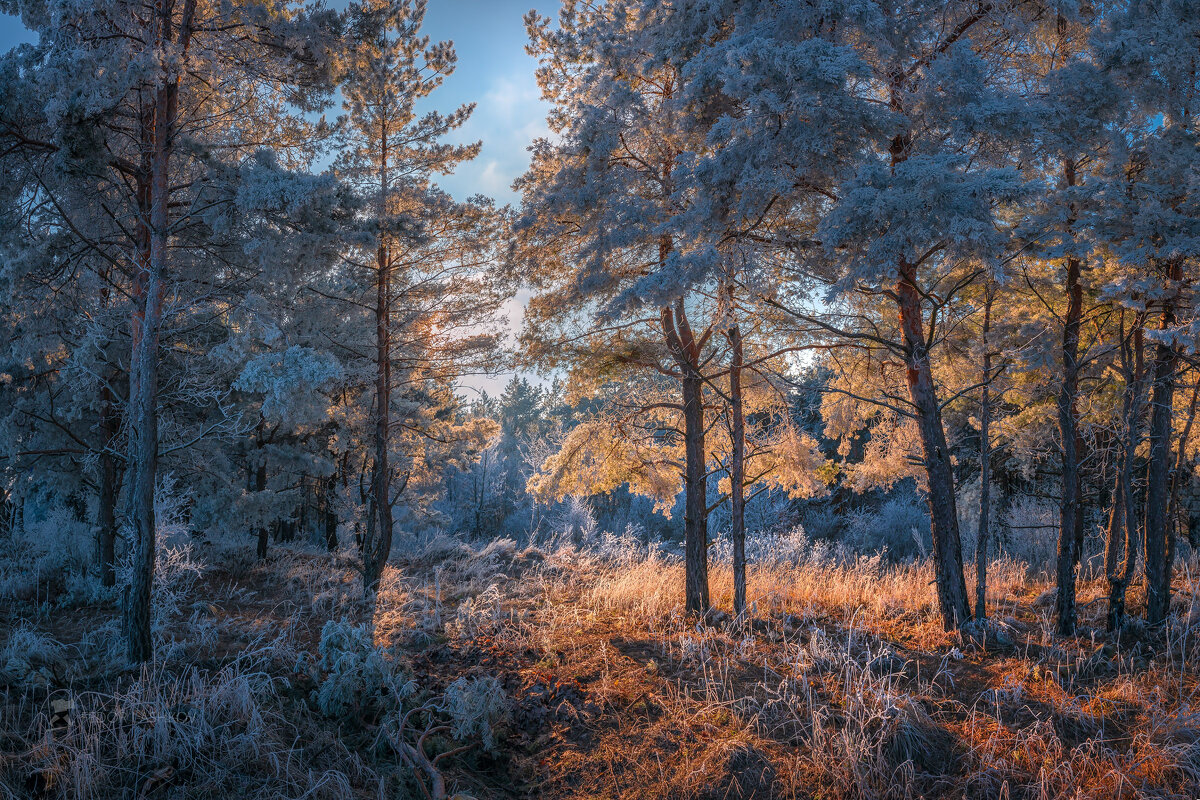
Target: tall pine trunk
column 109, row 488
column 737, row 472
column 1123, row 540
column 260, row 486
column 379, row 546
column 985, row 467
column 1179, row 473
column 686, row 351
column 943, row 509
column 144, row 330
column 143, row 394
column 1070, row 527
column 329, row 512
column 1158, row 478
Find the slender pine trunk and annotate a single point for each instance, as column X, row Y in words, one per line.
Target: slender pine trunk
column 953, row 601
column 260, row 486
column 109, row 488
column 686, row 352
column 1178, row 472
column 329, row 513
column 145, row 328
column 695, row 515
column 1158, row 477
column 144, row 424
column 1123, row 534
column 985, row 467
column 1070, row 528
column 737, row 472
column 380, row 546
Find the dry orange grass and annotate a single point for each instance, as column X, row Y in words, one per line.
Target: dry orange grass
column 842, row 684
column 846, row 686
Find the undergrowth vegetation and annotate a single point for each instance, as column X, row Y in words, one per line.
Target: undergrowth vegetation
column 569, row 670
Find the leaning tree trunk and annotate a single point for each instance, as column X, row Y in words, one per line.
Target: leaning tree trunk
column 985, row 467
column 943, row 510
column 737, row 472
column 1158, row 477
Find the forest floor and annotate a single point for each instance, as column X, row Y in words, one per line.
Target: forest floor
column 521, row 673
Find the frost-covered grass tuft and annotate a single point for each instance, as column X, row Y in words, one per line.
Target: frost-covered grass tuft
column 474, row 706
column 355, row 678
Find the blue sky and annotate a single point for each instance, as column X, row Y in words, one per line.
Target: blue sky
column 494, row 72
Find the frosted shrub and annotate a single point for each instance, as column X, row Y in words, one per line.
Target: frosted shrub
column 84, row 588
column 782, row 546
column 479, row 614
column 572, row 523
column 474, row 706
column 28, row 654
column 223, row 733
column 51, row 547
column 176, row 570
column 356, row 679
column 900, row 527
column 1029, row 532
column 822, row 522
column 620, row 549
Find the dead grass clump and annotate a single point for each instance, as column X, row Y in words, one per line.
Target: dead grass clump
column 747, row 773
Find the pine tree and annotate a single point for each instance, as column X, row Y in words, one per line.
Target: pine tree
column 421, row 255
column 1151, row 219
column 150, row 110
